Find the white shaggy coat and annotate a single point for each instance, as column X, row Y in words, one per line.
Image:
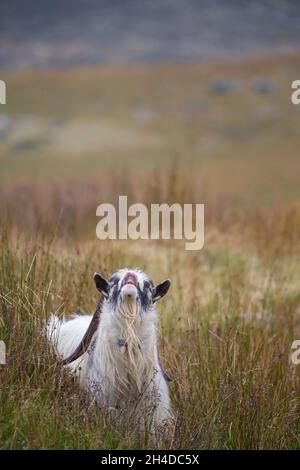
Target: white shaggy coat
column 121, row 367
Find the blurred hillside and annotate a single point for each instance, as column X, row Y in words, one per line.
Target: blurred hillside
column 98, row 90
column 77, row 32
column 231, row 123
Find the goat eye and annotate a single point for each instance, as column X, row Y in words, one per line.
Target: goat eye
column 147, row 286
column 114, row 282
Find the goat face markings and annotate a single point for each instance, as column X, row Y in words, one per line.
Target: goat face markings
column 131, row 286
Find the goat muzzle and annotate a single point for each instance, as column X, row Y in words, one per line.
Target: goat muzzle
column 130, row 278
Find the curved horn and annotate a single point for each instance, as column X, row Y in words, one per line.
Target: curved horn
column 85, row 342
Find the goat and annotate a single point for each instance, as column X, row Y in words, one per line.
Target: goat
column 114, row 352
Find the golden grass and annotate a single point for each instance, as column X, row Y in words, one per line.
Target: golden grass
column 226, row 328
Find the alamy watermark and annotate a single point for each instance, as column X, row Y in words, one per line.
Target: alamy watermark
column 295, row 97
column 2, row 92
column 295, row 356
column 162, row 221
column 2, row 353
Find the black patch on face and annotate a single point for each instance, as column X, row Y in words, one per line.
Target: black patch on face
column 114, row 279
column 114, row 290
column 145, row 295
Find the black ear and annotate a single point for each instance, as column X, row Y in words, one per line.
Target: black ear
column 161, row 289
column 101, row 284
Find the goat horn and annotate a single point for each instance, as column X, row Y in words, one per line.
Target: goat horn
column 85, row 342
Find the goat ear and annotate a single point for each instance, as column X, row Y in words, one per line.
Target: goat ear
column 101, row 284
column 161, row 289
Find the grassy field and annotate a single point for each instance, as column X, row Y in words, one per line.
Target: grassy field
column 222, row 134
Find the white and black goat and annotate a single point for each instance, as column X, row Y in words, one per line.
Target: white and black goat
column 114, row 352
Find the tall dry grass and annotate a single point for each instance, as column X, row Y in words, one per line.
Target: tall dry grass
column 226, row 328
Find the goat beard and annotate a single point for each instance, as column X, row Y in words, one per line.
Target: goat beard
column 141, row 370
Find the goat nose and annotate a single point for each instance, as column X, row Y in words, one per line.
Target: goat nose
column 130, row 278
